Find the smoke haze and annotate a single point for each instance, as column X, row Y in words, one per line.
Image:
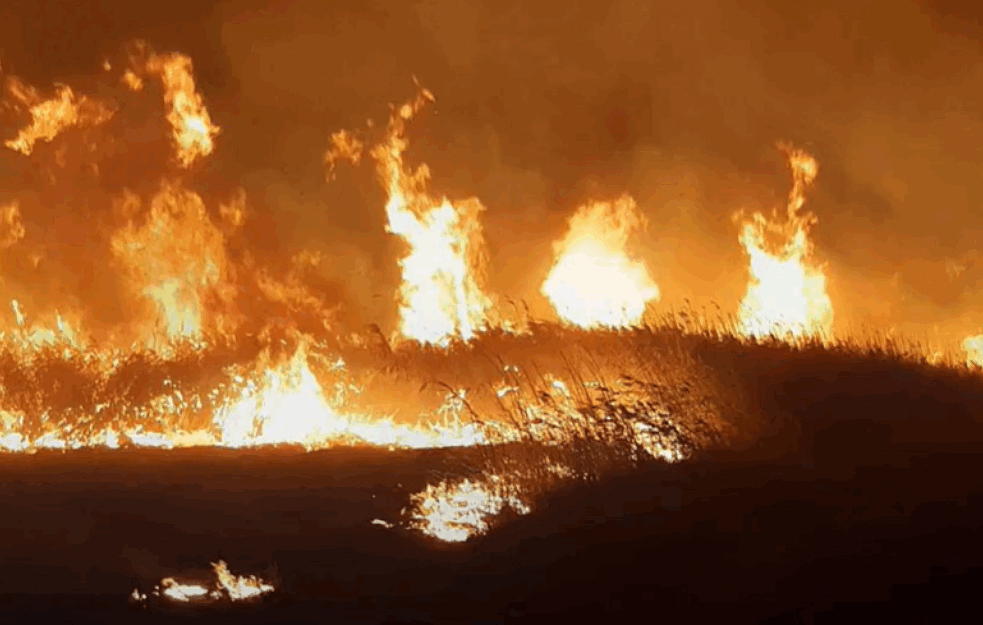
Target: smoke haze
column 539, row 108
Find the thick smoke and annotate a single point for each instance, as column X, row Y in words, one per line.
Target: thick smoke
column 543, row 106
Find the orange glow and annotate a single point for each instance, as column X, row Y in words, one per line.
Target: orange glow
column 786, row 293
column 594, row 282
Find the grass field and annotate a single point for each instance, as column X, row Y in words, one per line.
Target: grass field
column 852, row 464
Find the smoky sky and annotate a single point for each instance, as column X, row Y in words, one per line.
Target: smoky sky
column 541, row 106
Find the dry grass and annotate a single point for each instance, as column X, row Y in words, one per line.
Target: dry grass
column 579, row 401
column 568, row 404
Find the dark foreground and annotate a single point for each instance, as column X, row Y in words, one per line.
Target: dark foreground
column 830, row 539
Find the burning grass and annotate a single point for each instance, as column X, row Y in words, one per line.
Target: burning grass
column 219, row 349
column 224, row 587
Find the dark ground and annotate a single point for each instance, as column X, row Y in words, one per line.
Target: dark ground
column 779, row 542
column 863, row 503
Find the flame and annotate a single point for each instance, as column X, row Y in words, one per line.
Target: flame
column 49, row 117
column 192, row 129
column 176, row 260
column 973, row 346
column 11, row 225
column 239, row 588
column 594, row 282
column 786, row 294
column 287, row 404
column 224, row 586
column 344, row 146
column 455, row 512
column 440, row 296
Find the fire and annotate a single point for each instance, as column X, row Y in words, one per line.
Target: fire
column 455, row 512
column 225, row 586
column 176, row 260
column 287, row 404
column 973, row 346
column 786, row 293
column 441, row 296
column 11, row 225
column 344, row 146
column 192, row 129
column 594, row 282
column 49, row 117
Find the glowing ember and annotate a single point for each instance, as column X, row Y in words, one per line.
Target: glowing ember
column 192, row 128
column 225, row 586
column 786, row 295
column 440, row 297
column 594, row 282
column 49, row 117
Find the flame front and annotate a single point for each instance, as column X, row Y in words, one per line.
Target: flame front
column 786, row 294
column 225, row 586
column 594, row 282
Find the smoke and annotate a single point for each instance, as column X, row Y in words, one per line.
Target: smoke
column 542, row 107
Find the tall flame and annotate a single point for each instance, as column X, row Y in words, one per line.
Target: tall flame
column 594, row 282
column 786, row 294
column 440, row 296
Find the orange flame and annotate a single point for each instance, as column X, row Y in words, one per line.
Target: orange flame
column 594, row 282
column 192, row 129
column 786, row 294
column 224, row 586
column 176, row 259
column 11, row 225
column 455, row 512
column 441, row 296
column 49, row 117
column 344, row 146
column 973, row 346
column 287, row 404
